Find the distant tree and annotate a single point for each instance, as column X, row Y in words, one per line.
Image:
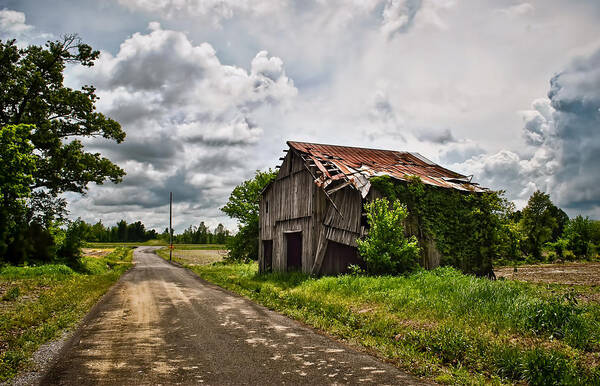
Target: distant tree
column 122, row 231
column 386, row 250
column 220, row 234
column 243, row 206
column 579, row 234
column 562, row 219
column 538, row 222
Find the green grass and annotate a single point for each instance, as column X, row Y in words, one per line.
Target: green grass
column 40, row 302
column 440, row 324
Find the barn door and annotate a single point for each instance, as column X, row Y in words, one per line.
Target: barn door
column 268, row 255
column 294, row 251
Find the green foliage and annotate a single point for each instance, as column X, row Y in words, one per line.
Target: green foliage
column 243, row 206
column 538, row 223
column 33, row 93
column 579, row 235
column 40, row 153
column 469, row 229
column 11, row 294
column 386, row 250
column 439, row 323
column 17, row 165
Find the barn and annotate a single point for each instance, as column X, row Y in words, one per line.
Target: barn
column 312, row 213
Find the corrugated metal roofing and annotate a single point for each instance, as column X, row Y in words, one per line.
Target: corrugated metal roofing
column 339, row 166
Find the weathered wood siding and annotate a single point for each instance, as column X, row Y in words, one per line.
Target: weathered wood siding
column 293, row 203
column 290, row 203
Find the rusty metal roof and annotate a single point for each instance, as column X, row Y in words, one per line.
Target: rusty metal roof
column 340, row 166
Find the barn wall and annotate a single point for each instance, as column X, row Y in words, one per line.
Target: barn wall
column 290, row 206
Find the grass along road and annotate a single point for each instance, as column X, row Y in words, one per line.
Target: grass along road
column 441, row 324
column 38, row 303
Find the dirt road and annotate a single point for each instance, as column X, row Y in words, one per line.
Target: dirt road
column 161, row 324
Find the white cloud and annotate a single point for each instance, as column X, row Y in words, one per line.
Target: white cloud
column 189, row 119
column 517, row 10
column 12, row 23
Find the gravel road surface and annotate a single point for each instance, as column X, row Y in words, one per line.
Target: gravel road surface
column 160, row 324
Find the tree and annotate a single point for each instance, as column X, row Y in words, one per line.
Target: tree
column 386, row 250
column 32, row 92
column 51, row 119
column 17, row 166
column 243, row 206
column 537, row 222
column 579, row 234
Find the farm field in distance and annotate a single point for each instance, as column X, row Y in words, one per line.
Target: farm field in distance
column 575, row 273
column 195, row 254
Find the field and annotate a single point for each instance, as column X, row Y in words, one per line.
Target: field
column 580, row 273
column 195, row 254
column 38, row 303
column 442, row 325
column 131, row 244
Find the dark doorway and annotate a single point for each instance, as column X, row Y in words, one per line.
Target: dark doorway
column 338, row 257
column 294, row 251
column 268, row 255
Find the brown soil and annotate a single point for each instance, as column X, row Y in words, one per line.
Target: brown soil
column 587, row 274
column 198, row 256
column 95, row 252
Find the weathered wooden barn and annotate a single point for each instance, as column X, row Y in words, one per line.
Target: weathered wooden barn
column 312, row 214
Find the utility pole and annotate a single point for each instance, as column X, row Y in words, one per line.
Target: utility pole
column 170, row 225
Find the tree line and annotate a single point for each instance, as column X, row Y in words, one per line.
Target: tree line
column 137, row 232
column 542, row 232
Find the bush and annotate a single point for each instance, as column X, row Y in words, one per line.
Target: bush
column 69, row 246
column 386, row 250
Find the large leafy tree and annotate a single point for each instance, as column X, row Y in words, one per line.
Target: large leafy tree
column 538, row 222
column 42, row 123
column 243, row 206
column 32, row 91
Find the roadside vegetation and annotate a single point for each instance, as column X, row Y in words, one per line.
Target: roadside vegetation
column 440, row 324
column 37, row 303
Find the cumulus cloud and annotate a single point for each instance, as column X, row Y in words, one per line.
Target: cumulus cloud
column 398, row 16
column 216, row 9
column 190, row 120
column 517, row 10
column 563, row 134
column 443, row 136
column 12, row 23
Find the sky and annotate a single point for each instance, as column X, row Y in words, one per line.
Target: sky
column 209, row 91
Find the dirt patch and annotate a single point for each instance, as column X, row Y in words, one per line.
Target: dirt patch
column 198, row 256
column 96, row 252
column 587, row 274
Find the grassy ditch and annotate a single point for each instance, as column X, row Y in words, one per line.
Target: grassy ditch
column 441, row 324
column 37, row 303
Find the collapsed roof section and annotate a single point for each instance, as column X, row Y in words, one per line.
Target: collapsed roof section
column 339, row 166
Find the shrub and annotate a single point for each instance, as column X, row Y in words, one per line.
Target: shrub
column 386, row 250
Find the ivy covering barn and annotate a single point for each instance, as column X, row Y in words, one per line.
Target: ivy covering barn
column 313, row 213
